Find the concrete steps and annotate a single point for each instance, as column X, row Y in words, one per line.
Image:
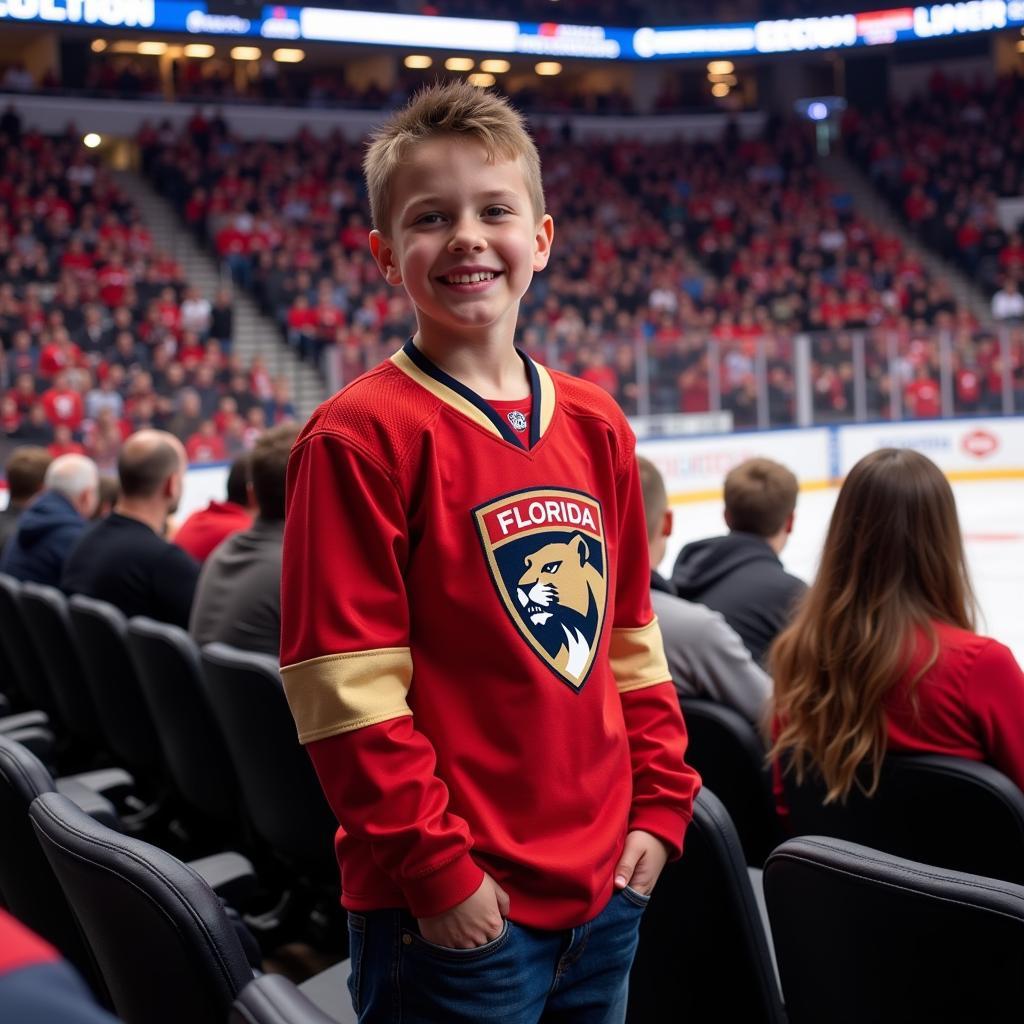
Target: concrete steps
column 255, row 334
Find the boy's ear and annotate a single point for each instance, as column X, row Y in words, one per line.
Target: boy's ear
column 384, row 256
column 542, row 242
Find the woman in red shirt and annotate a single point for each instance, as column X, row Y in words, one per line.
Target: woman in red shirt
column 881, row 655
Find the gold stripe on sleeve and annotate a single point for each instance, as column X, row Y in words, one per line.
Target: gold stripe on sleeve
column 342, row 692
column 638, row 657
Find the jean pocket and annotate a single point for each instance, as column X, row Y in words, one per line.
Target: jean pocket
column 356, row 942
column 451, row 956
column 638, row 899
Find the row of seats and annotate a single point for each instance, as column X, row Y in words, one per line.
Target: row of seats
column 135, row 919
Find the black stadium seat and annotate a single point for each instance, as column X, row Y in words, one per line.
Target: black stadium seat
column 866, row 938
column 160, row 936
column 28, row 673
column 273, row 999
column 101, row 632
column 730, row 757
column 703, row 954
column 45, row 613
column 167, row 662
column 282, row 796
column 27, row 884
column 958, row 814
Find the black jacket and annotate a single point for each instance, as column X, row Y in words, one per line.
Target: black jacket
column 740, row 576
column 47, row 531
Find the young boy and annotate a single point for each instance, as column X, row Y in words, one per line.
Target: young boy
column 467, row 638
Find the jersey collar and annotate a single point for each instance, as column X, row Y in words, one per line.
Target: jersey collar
column 411, row 361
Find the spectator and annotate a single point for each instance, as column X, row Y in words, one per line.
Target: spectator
column 1008, row 303
column 36, row 985
column 206, row 445
column 195, row 312
column 882, row 655
column 740, row 575
column 207, row 527
column 124, row 559
column 25, row 470
column 238, row 600
column 705, row 656
column 53, row 523
column 110, row 492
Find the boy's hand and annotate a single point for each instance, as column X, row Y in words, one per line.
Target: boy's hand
column 474, row 922
column 641, row 862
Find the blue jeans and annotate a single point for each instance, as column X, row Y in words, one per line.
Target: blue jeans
column 524, row 976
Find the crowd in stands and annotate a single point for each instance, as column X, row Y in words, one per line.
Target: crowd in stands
column 100, row 334
column 672, row 246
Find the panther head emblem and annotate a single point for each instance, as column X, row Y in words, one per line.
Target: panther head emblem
column 557, row 592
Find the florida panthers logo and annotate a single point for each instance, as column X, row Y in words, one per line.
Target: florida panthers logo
column 546, row 553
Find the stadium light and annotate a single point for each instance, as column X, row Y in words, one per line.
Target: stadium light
column 548, row 67
column 201, row 50
column 481, row 80
column 246, row 53
column 98, row 45
column 92, row 140
column 289, row 56
column 418, row 61
column 720, row 90
column 721, row 67
column 729, row 80
column 151, row 49
column 459, row 64
column 495, row 66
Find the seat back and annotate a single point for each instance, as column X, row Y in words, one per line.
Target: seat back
column 864, row 936
column 101, row 634
column 160, row 936
column 167, row 665
column 703, row 953
column 45, row 612
column 730, row 757
column 280, row 790
column 21, row 654
column 27, row 884
column 909, row 815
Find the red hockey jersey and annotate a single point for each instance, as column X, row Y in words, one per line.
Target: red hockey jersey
column 468, row 645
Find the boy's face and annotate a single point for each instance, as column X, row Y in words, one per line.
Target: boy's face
column 464, row 239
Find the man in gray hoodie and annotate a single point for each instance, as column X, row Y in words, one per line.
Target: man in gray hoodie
column 705, row 655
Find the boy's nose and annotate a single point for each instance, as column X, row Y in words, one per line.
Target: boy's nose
column 466, row 238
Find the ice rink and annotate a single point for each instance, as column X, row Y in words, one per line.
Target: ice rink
column 992, row 519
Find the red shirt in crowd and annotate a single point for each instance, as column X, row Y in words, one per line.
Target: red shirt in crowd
column 203, row 448
column 924, row 398
column 207, row 527
column 64, row 406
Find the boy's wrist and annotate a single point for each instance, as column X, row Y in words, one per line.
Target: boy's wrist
column 667, row 825
column 447, row 887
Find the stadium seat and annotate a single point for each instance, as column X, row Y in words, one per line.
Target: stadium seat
column 45, row 614
column 727, row 751
column 864, row 936
column 273, row 999
column 703, row 953
column 101, row 632
column 282, row 796
column 27, row 884
column 21, row 653
column 161, row 938
column 167, row 662
column 912, row 815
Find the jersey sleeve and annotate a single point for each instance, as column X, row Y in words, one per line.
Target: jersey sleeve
column 347, row 670
column 994, row 693
column 664, row 786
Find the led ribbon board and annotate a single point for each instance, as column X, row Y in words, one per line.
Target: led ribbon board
column 546, row 39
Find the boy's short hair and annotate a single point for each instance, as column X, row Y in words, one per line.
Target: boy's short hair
column 760, row 495
column 652, row 486
column 25, row 471
column 454, row 108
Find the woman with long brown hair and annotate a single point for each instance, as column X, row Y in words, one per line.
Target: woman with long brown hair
column 881, row 654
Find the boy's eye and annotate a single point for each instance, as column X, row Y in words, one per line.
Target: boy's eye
column 429, row 218
column 495, row 211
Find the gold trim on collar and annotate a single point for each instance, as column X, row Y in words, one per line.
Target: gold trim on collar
column 546, row 398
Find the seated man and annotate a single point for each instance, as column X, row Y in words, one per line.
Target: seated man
column 238, row 600
column 124, row 559
column 52, row 524
column 705, row 656
column 740, row 575
column 207, row 527
column 25, row 469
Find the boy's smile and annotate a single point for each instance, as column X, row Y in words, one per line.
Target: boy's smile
column 464, row 240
